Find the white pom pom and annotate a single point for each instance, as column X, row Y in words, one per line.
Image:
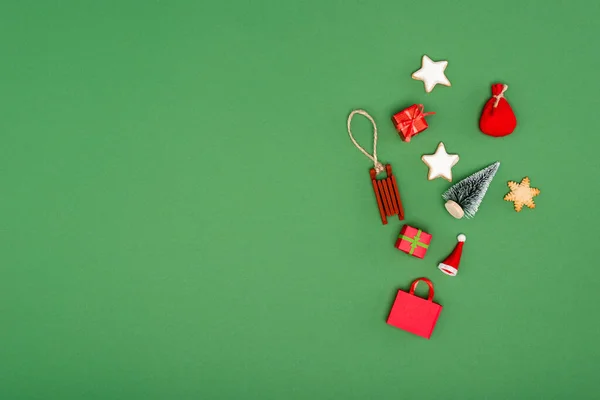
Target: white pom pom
column 461, row 238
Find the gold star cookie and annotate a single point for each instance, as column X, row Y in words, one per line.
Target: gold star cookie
column 521, row 194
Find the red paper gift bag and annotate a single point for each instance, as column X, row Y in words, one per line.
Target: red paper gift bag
column 415, row 314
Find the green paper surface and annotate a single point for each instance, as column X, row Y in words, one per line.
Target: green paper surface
column 183, row 215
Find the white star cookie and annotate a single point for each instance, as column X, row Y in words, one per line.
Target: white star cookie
column 440, row 163
column 431, row 73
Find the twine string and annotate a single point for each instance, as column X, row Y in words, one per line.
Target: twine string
column 377, row 165
column 500, row 96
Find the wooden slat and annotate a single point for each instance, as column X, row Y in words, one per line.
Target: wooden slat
column 390, row 210
column 398, row 198
column 377, row 196
column 393, row 198
column 384, row 199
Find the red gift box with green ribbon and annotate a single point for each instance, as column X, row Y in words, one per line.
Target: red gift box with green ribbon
column 413, row 241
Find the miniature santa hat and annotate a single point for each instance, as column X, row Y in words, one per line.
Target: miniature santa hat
column 450, row 265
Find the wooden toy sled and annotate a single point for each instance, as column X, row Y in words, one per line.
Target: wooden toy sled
column 386, row 193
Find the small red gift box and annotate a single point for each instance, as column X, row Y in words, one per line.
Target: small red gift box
column 415, row 314
column 410, row 121
column 413, row 241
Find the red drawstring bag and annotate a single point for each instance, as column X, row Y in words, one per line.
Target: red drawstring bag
column 497, row 118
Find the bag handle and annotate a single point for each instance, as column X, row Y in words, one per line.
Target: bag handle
column 428, row 282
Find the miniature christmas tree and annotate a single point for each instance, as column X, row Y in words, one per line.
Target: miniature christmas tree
column 464, row 197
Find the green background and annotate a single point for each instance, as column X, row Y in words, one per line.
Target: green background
column 183, row 215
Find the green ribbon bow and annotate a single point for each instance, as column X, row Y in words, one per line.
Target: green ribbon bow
column 414, row 242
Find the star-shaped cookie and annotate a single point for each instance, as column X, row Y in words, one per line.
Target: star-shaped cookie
column 521, row 194
column 440, row 163
column 431, row 73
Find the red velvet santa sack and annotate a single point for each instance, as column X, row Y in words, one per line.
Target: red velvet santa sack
column 497, row 118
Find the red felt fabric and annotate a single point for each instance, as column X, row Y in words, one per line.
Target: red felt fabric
column 497, row 119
